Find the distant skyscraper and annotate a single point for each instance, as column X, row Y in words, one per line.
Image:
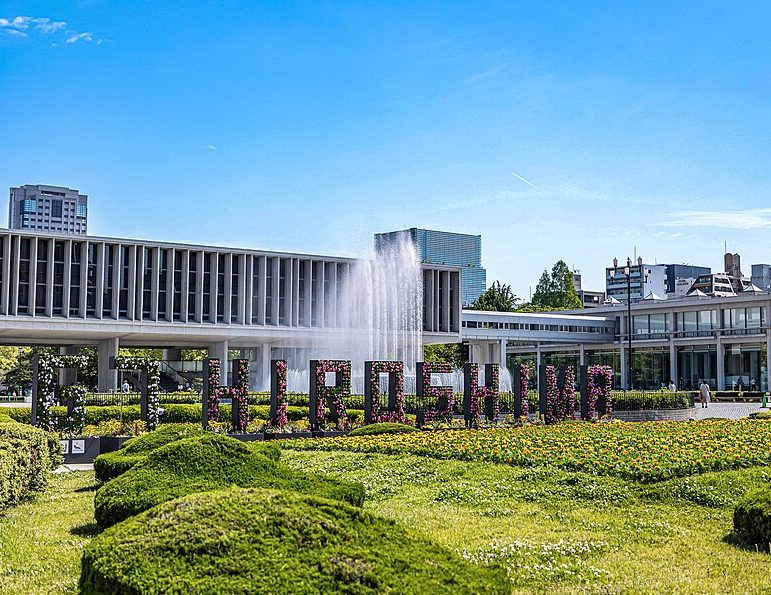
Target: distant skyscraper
column 447, row 248
column 51, row 209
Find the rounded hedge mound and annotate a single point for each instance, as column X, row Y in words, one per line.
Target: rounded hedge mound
column 263, row 541
column 112, row 464
column 206, row 463
column 383, row 428
column 752, row 517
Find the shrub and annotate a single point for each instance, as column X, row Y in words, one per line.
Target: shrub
column 112, row 464
column 220, row 542
column 383, row 428
column 27, row 456
column 752, row 517
column 637, row 401
column 764, row 415
column 205, row 463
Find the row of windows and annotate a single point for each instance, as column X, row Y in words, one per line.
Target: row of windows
column 524, row 326
column 700, row 321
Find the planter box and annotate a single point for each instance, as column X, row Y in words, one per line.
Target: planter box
column 248, row 437
column 287, row 435
column 111, row 443
column 80, row 450
column 329, row 433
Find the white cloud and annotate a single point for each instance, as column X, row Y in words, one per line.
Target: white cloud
column 23, row 26
column 746, row 219
column 79, row 37
column 211, row 147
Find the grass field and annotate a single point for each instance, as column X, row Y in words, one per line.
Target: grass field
column 556, row 530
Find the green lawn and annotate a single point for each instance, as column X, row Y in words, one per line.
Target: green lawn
column 41, row 540
column 556, row 531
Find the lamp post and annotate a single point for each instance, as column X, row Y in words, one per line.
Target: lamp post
column 628, row 275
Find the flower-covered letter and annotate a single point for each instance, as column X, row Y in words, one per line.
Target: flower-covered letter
column 373, row 411
column 326, row 402
column 434, row 402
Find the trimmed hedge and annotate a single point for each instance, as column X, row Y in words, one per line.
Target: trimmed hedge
column 383, row 428
column 262, row 541
column 112, row 464
column 27, row 456
column 651, row 400
column 752, row 518
column 173, row 414
column 205, row 463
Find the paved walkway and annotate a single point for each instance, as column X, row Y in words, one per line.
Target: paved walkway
column 74, row 467
column 726, row 410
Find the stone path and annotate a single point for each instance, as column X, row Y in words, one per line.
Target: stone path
column 726, row 410
column 74, row 467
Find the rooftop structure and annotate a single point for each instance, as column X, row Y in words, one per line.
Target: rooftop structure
column 53, row 209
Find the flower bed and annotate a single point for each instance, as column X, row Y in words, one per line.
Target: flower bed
column 646, row 451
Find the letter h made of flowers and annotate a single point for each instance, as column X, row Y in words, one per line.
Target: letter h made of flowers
column 487, row 395
column 213, row 393
column 45, row 385
column 327, row 405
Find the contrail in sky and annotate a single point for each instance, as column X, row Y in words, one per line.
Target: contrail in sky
column 524, row 180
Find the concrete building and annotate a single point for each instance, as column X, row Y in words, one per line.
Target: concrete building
column 645, row 279
column 761, row 276
column 52, row 209
column 590, row 299
column 725, row 340
column 447, row 249
column 680, row 277
column 108, row 292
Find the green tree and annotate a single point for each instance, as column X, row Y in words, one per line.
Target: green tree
column 556, row 291
column 498, row 298
column 455, row 354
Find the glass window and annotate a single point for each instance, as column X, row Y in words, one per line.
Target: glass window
column 658, row 323
column 640, row 324
column 56, row 208
column 754, row 317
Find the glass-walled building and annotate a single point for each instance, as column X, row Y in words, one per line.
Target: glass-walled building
column 724, row 341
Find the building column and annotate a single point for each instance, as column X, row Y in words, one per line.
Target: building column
column 68, row 376
column 220, row 351
column 624, row 368
column 172, row 354
column 720, row 364
column 673, row 373
column 581, row 355
column 768, row 359
column 108, row 379
column 265, row 356
column 503, row 345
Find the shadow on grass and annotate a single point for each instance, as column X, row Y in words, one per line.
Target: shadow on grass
column 736, row 540
column 91, row 488
column 87, row 530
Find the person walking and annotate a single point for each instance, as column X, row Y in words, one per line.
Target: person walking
column 704, row 393
column 672, row 386
column 125, row 387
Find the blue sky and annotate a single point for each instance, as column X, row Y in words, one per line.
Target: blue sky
column 308, row 126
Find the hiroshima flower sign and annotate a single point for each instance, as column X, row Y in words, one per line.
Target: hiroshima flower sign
column 213, row 393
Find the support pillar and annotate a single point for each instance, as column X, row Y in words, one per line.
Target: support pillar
column 624, row 368
column 581, row 355
column 220, row 351
column 108, row 379
column 172, row 354
column 67, row 375
column 673, row 373
column 502, row 359
column 768, row 359
column 265, row 357
column 720, row 364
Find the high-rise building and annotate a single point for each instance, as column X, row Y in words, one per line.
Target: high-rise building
column 680, row 278
column 645, row 280
column 446, row 248
column 761, row 276
column 53, row 209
